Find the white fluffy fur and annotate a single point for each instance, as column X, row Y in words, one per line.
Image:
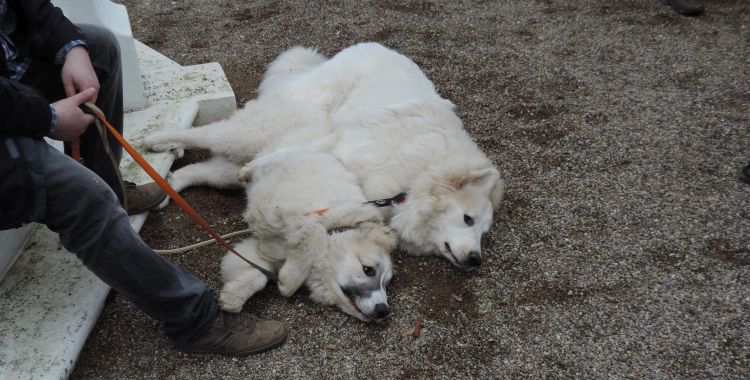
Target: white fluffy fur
column 378, row 114
column 285, row 191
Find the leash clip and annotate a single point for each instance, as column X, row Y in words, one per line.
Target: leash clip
column 393, row 201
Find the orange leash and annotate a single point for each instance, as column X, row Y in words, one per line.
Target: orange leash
column 75, row 150
column 173, row 194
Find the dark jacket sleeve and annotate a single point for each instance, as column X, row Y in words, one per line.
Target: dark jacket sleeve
column 51, row 30
column 23, row 112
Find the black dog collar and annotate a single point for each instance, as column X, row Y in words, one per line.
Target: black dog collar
column 336, row 230
column 393, row 201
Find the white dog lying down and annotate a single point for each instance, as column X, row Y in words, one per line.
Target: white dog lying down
column 312, row 226
column 378, row 114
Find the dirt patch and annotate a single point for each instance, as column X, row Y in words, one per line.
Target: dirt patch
column 445, row 293
column 565, row 291
column 416, row 7
column 546, row 133
column 628, row 7
column 722, row 250
column 666, row 256
column 620, row 249
column 734, row 102
column 260, row 13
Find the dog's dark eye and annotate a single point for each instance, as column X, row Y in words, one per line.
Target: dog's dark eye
column 370, row 271
column 468, row 220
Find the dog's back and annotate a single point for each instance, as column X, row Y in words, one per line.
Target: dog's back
column 395, row 133
column 288, row 186
column 308, row 211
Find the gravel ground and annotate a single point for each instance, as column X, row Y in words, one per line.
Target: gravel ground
column 621, row 249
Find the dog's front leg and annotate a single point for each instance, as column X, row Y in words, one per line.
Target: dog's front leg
column 217, row 172
column 241, row 280
column 205, row 137
column 235, row 293
column 306, row 241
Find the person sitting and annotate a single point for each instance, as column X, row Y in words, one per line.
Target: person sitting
column 48, row 68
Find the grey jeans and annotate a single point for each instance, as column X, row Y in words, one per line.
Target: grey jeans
column 80, row 205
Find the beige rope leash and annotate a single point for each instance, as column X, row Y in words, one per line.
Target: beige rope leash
column 201, row 244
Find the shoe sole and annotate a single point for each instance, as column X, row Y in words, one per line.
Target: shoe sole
column 191, row 350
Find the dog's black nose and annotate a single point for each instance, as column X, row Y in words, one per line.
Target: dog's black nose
column 474, row 260
column 382, row 310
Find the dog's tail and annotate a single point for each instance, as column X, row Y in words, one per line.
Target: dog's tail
column 293, row 61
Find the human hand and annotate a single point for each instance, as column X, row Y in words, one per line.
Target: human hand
column 71, row 120
column 78, row 73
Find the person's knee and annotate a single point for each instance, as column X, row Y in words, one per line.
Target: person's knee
column 88, row 219
column 76, row 198
column 100, row 200
column 100, row 195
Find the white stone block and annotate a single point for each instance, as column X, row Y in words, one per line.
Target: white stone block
column 11, row 242
column 207, row 84
column 151, row 60
column 49, row 302
column 115, row 18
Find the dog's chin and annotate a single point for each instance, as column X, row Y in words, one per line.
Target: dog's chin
column 367, row 319
column 448, row 254
column 353, row 310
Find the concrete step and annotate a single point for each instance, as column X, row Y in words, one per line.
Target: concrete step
column 207, row 84
column 150, row 59
column 11, row 242
column 49, row 304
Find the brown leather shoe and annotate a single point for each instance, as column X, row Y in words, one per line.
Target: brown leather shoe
column 237, row 335
column 144, row 197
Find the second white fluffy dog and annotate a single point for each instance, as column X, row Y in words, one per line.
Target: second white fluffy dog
column 312, row 226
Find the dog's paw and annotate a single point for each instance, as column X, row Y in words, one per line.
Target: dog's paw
column 159, row 142
column 245, row 175
column 177, row 152
column 230, row 302
column 163, row 204
column 287, row 290
column 166, row 200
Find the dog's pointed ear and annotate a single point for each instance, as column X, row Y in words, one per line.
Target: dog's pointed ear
column 497, row 193
column 381, row 235
column 389, row 240
column 484, row 179
column 306, row 242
